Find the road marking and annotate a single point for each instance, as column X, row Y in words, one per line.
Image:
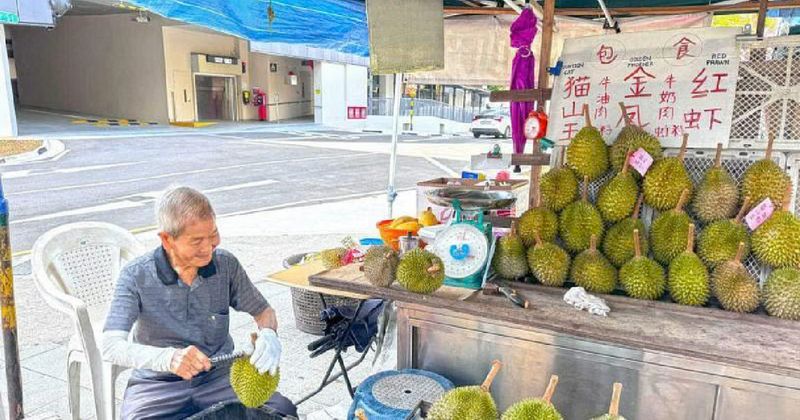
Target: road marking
column 31, row 172
column 196, row 171
column 85, row 210
column 241, row 186
column 441, row 166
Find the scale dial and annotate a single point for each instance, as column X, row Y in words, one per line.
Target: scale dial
column 533, row 127
column 463, row 249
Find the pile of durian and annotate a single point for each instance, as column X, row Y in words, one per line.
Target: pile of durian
column 603, row 246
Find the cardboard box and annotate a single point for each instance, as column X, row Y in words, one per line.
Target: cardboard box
column 518, row 187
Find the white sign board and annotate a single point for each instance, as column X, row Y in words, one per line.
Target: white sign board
column 672, row 82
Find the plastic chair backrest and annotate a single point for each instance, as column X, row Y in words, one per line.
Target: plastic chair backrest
column 84, row 259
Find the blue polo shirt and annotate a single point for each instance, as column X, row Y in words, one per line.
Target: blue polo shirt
column 164, row 312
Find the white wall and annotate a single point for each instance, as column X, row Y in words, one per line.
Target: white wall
column 8, row 116
column 288, row 101
column 98, row 65
column 339, row 86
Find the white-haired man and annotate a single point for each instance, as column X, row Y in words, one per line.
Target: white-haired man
column 176, row 299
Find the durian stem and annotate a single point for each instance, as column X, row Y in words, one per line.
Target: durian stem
column 638, row 206
column 537, row 199
column 434, row 269
column 637, row 247
column 627, row 161
column 787, row 199
column 770, row 140
column 585, row 189
column 513, row 229
column 537, row 237
column 690, row 239
column 593, row 243
column 682, row 153
column 613, row 408
column 743, row 210
column 563, row 157
column 625, row 114
column 487, row 383
column 551, row 388
column 684, row 198
column 586, row 115
column 718, row 157
column 739, row 253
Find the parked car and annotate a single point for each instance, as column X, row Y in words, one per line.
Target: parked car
column 494, row 122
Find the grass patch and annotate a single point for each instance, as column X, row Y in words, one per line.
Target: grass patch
column 9, row 147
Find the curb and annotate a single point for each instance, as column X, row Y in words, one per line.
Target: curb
column 48, row 150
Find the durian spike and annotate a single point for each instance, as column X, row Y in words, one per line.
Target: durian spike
column 739, row 253
column 487, row 383
column 718, row 157
column 434, row 269
column 637, row 207
column 690, row 239
column 613, row 408
column 637, row 247
column 684, row 198
column 770, row 140
column 743, row 210
column 625, row 114
column 627, row 161
column 585, row 189
column 537, row 238
column 593, row 243
column 586, row 115
column 682, row 153
column 551, row 388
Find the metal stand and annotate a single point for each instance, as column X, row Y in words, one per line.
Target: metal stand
column 338, row 359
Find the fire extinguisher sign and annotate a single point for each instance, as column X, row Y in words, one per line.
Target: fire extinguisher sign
column 356, row 113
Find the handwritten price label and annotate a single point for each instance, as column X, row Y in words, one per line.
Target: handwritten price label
column 759, row 214
column 641, row 161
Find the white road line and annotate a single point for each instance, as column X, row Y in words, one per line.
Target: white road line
column 441, row 166
column 86, row 210
column 30, row 172
column 196, row 171
column 241, row 186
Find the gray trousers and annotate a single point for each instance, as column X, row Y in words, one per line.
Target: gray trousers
column 175, row 398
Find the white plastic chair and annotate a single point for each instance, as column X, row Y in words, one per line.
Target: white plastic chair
column 75, row 269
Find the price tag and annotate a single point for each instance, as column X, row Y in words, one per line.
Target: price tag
column 759, row 214
column 641, row 161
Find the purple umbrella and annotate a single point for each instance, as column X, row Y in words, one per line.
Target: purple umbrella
column 523, row 30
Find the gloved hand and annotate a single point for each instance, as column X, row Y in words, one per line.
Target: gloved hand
column 266, row 354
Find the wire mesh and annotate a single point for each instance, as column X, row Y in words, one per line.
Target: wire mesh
column 767, row 89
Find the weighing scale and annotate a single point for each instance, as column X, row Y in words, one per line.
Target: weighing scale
column 467, row 245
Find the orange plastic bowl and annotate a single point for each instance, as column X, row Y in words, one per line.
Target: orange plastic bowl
column 390, row 236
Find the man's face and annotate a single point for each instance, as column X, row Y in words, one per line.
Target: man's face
column 195, row 245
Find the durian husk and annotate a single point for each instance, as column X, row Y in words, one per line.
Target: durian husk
column 632, row 138
column 579, row 221
column 687, row 276
column 467, row 402
column 510, row 258
column 618, row 242
column 537, row 219
column 641, row 277
column 558, row 186
column 380, row 265
column 766, row 179
column 719, row 241
column 782, row 293
column 617, row 198
column 420, row 271
column 535, row 408
column 734, row 287
column 668, row 232
column 775, row 242
column 666, row 180
column 717, row 196
column 587, row 152
column 332, row 258
column 252, row 388
column 548, row 263
column 592, row 271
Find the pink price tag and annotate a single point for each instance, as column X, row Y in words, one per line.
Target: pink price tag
column 759, row 214
column 641, row 161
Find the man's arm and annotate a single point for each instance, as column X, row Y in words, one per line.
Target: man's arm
column 267, row 319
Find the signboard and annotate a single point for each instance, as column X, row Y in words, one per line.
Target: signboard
column 672, row 82
column 31, row 12
column 356, row 113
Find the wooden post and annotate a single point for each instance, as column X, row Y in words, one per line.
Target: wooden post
column 762, row 18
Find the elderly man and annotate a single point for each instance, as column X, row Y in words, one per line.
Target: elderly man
column 176, row 300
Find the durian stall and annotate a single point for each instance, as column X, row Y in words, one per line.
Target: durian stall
column 660, row 255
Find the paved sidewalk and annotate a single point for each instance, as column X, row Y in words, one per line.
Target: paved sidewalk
column 261, row 241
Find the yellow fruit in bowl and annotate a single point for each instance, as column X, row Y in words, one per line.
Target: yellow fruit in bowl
column 427, row 218
column 400, row 220
column 409, row 226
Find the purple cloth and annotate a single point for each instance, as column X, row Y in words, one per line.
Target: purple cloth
column 523, row 30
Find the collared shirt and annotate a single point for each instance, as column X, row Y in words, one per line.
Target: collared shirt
column 163, row 311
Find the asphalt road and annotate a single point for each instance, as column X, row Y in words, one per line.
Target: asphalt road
column 118, row 179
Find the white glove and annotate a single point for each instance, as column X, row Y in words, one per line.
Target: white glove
column 266, row 355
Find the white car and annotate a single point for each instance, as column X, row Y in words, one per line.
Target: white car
column 493, row 122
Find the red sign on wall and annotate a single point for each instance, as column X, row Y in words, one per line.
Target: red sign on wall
column 356, row 113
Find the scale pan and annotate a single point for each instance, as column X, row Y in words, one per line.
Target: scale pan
column 471, row 199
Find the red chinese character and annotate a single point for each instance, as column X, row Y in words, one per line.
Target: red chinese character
column 670, row 80
column 682, row 49
column 579, row 86
column 713, row 112
column 601, row 112
column 699, row 82
column 677, row 130
column 605, row 130
column 606, row 54
column 604, row 99
column 639, row 82
column 666, row 113
column 575, row 112
column 667, row 97
column 633, row 114
column 692, row 119
column 605, row 82
column 719, row 77
column 570, row 129
column 662, row 131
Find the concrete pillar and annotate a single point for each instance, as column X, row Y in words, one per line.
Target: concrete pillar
column 8, row 117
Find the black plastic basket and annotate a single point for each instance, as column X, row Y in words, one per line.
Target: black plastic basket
column 235, row 410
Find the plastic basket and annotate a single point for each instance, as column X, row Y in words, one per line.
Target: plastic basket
column 392, row 236
column 307, row 305
column 235, row 410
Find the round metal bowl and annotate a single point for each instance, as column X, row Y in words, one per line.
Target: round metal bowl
column 471, row 199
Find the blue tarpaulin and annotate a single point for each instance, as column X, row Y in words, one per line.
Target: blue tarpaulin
column 338, row 25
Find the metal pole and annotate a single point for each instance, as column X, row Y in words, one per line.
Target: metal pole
column 761, row 23
column 391, row 192
column 9, row 315
column 609, row 19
